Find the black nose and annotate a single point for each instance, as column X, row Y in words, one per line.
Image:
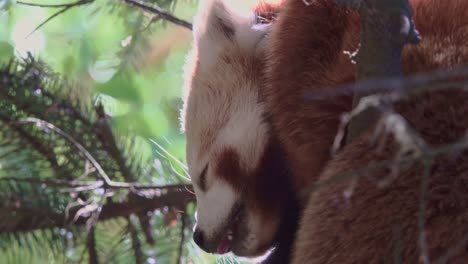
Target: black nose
column 199, row 239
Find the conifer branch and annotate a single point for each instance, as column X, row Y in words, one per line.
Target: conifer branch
column 150, row 201
column 136, row 243
column 91, row 245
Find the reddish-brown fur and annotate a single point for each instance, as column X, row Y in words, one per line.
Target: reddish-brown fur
column 308, row 55
column 376, row 225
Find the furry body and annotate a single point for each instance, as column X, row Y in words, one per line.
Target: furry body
column 237, row 165
column 375, row 225
column 246, row 112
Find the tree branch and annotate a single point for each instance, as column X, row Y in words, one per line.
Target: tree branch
column 136, row 243
column 83, row 151
column 160, row 12
column 91, row 245
column 78, row 3
column 140, row 4
column 110, row 144
column 65, row 8
column 149, row 200
column 386, row 26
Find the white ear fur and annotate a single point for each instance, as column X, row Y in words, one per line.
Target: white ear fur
column 220, row 22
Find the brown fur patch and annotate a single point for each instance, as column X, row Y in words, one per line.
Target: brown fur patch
column 228, row 168
column 377, row 225
column 307, row 54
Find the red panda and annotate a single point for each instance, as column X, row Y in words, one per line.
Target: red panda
column 376, row 224
column 245, row 201
column 255, row 140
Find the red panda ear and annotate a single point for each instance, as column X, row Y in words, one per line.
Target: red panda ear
column 213, row 21
column 220, row 23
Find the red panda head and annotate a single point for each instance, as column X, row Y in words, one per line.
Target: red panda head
column 236, row 166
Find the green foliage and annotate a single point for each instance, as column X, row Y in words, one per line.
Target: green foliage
column 120, row 113
column 63, row 168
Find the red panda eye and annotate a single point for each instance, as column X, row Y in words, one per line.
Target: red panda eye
column 202, row 179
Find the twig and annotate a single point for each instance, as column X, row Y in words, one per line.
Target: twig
column 65, row 8
column 418, row 83
column 91, row 245
column 37, row 145
column 83, row 151
column 358, row 173
column 172, row 198
column 136, row 243
column 92, row 185
column 160, row 12
column 108, row 140
column 95, row 210
column 81, row 2
column 54, row 183
column 145, row 223
column 422, row 211
column 386, row 26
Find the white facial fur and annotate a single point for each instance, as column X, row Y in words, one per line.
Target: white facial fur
column 222, row 110
column 214, row 206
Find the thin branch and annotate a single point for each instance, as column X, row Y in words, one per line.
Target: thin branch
column 83, row 151
column 147, row 228
column 422, row 211
column 85, row 186
column 389, row 163
column 81, row 2
column 160, row 12
column 54, row 183
column 404, row 86
column 386, row 26
column 65, row 8
column 35, row 144
column 136, row 243
column 95, row 210
column 91, row 245
column 43, row 219
column 108, row 140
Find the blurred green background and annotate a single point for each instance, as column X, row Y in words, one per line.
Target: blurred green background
column 132, row 62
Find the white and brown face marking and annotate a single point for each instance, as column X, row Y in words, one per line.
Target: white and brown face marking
column 228, row 142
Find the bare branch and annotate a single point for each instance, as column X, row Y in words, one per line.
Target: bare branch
column 81, row 149
column 136, row 243
column 160, row 12
column 358, row 173
column 453, row 78
column 172, row 197
column 107, row 138
column 78, row 3
column 65, row 8
column 91, row 245
column 145, row 223
column 386, row 26
column 422, row 211
column 34, row 143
